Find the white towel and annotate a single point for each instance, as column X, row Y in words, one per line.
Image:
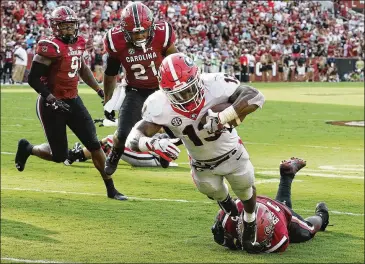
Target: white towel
column 117, row 99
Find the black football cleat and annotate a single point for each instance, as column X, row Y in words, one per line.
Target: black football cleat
column 111, row 162
column 164, row 163
column 22, row 154
column 74, row 154
column 322, row 211
column 118, row 196
column 292, row 166
column 249, row 237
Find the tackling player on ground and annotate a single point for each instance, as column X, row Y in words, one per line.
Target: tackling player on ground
column 281, row 225
column 139, row 44
column 134, row 158
column 54, row 75
column 215, row 152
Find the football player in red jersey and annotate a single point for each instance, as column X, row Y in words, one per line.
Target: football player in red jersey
column 139, row 45
column 279, row 223
column 54, row 75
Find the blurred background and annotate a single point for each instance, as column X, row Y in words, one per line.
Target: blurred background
column 258, row 41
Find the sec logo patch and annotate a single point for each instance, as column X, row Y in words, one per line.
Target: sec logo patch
column 176, row 121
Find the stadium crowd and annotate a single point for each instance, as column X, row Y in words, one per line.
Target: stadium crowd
column 288, row 39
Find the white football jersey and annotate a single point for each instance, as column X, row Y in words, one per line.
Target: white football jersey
column 199, row 144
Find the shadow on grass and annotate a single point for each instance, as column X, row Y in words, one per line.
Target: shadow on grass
column 20, row 230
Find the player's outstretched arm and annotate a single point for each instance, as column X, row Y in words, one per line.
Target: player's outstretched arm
column 142, row 141
column 88, row 77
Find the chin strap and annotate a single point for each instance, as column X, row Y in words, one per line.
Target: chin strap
column 143, row 45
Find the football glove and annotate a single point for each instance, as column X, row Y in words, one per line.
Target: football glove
column 57, row 105
column 110, row 116
column 165, row 148
column 218, row 232
column 213, row 124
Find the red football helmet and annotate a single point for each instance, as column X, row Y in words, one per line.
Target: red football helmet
column 179, row 78
column 65, row 24
column 138, row 24
column 265, row 224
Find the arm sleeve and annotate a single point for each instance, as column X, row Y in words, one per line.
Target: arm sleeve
column 112, row 66
column 37, row 71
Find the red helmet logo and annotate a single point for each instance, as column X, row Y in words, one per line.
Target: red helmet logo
column 179, row 78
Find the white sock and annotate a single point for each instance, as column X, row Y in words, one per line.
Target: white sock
column 248, row 218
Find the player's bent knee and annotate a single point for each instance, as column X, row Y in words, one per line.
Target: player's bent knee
column 244, row 193
column 94, row 146
column 214, row 192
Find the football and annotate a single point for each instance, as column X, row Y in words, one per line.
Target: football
column 218, row 108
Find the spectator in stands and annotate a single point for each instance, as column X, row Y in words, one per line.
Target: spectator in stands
column 251, row 64
column 21, row 61
column 301, row 68
column 98, row 65
column 244, row 60
column 8, row 65
column 231, row 25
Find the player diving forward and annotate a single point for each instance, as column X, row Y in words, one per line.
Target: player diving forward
column 215, row 152
column 281, row 224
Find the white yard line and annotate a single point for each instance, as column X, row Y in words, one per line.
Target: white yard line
column 162, row 199
column 306, row 146
column 312, row 174
column 30, row 261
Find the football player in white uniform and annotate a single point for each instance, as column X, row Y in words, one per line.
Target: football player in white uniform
column 183, row 104
column 134, row 158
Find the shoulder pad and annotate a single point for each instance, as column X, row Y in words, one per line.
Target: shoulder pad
column 110, row 41
column 81, row 41
column 48, row 48
column 153, row 106
column 165, row 32
column 219, row 84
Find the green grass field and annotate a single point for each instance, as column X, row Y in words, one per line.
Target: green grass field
column 54, row 213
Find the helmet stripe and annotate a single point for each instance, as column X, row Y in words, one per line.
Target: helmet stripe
column 67, row 10
column 172, row 70
column 135, row 15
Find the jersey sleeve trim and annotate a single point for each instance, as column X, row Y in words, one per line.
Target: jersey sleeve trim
column 110, row 40
column 225, row 220
column 51, row 42
column 278, row 245
column 167, row 35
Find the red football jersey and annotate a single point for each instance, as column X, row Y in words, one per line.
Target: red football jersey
column 140, row 67
column 282, row 217
column 63, row 76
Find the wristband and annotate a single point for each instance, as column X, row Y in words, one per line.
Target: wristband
column 227, row 115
